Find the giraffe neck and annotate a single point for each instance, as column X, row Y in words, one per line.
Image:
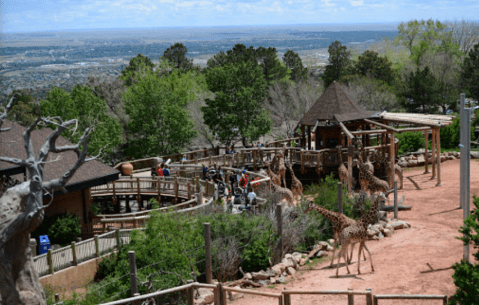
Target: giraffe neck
column 326, row 213
column 367, row 218
column 340, row 157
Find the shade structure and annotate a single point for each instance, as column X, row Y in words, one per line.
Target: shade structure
column 334, row 105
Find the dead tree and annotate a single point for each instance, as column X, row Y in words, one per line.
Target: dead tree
column 22, row 210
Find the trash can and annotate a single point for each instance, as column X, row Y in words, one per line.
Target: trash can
column 44, row 244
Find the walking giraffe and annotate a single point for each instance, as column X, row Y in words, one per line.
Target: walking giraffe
column 281, row 167
column 358, row 233
column 339, row 222
column 368, row 181
column 296, row 185
column 285, row 194
column 342, row 170
column 383, row 161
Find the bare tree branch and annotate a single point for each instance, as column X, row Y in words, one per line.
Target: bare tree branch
column 14, row 161
column 5, row 113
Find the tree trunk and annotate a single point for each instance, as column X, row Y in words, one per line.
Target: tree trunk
column 19, row 282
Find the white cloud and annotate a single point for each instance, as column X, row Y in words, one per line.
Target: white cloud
column 357, row 3
column 328, row 2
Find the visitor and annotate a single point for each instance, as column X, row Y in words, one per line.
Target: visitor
column 205, row 171
column 244, row 179
column 183, row 160
column 154, row 175
column 221, row 175
column 228, row 150
column 159, row 169
column 252, row 197
column 255, row 185
column 232, row 182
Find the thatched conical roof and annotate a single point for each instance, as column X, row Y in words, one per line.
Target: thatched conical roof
column 334, row 104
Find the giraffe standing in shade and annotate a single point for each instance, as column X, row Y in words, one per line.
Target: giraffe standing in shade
column 397, row 169
column 281, row 167
column 358, row 233
column 342, row 170
column 275, row 178
column 296, row 185
column 368, row 162
column 285, row 193
column 370, row 182
column 339, row 222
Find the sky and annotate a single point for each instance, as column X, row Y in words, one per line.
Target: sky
column 51, row 15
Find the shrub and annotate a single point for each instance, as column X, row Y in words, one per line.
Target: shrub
column 60, row 228
column 466, row 275
column 410, row 141
column 450, row 135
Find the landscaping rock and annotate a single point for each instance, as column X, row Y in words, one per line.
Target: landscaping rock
column 474, row 154
column 278, row 268
column 372, row 233
column 331, row 241
column 263, row 275
column 297, row 256
column 272, row 280
column 322, row 254
column 381, row 235
column 263, row 282
column 290, row 270
column 206, row 296
column 387, row 233
column 280, row 279
column 248, row 276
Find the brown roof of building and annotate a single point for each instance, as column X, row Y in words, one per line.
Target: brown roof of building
column 334, row 104
column 89, row 174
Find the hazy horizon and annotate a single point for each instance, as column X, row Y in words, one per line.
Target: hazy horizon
column 30, row 16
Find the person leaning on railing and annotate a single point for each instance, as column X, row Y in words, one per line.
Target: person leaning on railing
column 154, row 174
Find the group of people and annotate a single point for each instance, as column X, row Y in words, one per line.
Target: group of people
column 161, row 170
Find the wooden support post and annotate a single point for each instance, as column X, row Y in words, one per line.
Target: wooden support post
column 254, row 160
column 426, row 155
column 97, row 246
column 159, row 192
column 318, row 161
column 369, row 296
column 138, row 192
column 205, row 152
column 287, row 298
column 433, row 148
column 209, row 272
column 350, row 296
column 188, row 190
column 176, row 186
column 291, row 152
column 309, row 137
column 396, row 199
column 392, row 157
column 242, row 156
column 197, row 184
column 115, row 200
column 438, row 148
column 303, row 137
column 74, row 253
column 302, row 161
column 279, row 224
column 340, row 197
column 190, row 293
column 118, row 239
column 50, row 261
column 221, row 294
column 133, row 275
column 350, row 165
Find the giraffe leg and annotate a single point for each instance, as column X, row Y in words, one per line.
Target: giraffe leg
column 366, row 247
column 337, row 265
column 351, row 256
column 359, row 256
column 284, row 179
column 334, row 247
column 345, row 254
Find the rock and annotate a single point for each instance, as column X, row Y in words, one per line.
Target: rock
column 303, row 261
column 402, row 159
column 375, row 227
column 290, row 270
column 272, row 280
column 400, row 224
column 443, row 158
column 278, row 268
column 329, row 248
column 331, row 241
column 263, row 275
column 372, row 233
column 451, row 157
column 206, row 296
column 289, row 263
column 383, row 223
column 381, row 235
column 248, row 276
column 321, row 254
column 390, row 228
column 421, row 160
column 281, row 279
column 412, row 163
column 297, row 256
column 421, row 150
column 382, row 215
column 375, row 237
column 323, row 245
column 474, row 154
column 263, row 282
column 402, row 163
column 387, row 233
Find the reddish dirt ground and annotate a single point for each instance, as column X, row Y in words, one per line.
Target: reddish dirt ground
column 412, row 261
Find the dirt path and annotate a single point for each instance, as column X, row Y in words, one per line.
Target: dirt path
column 413, row 261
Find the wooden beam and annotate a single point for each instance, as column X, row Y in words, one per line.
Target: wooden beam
column 309, row 137
column 367, row 132
column 381, row 125
column 413, row 122
column 392, row 156
column 346, row 131
column 438, row 148
column 350, row 165
column 414, row 129
column 426, row 140
column 433, row 154
column 303, row 137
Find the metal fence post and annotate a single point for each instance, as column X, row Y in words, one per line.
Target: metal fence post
column 396, row 199
column 118, row 239
column 340, row 197
column 50, row 261
column 209, row 272
column 369, row 296
column 133, row 277
column 74, row 253
column 350, row 296
column 97, row 246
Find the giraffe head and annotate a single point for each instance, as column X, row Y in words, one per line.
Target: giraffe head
column 311, row 207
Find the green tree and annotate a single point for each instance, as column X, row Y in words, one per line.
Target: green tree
column 23, row 109
column 176, row 56
column 294, row 63
column 470, row 73
column 409, row 33
column 159, row 123
column 273, row 68
column 137, row 68
column 339, row 63
column 372, row 65
column 237, row 109
column 419, row 90
column 89, row 109
column 466, row 275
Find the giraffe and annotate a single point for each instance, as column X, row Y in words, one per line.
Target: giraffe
column 339, row 222
column 397, row 169
column 296, row 185
column 342, row 170
column 383, row 161
column 369, row 181
column 275, row 178
column 358, row 233
column 281, row 167
column 368, row 162
column 285, row 193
